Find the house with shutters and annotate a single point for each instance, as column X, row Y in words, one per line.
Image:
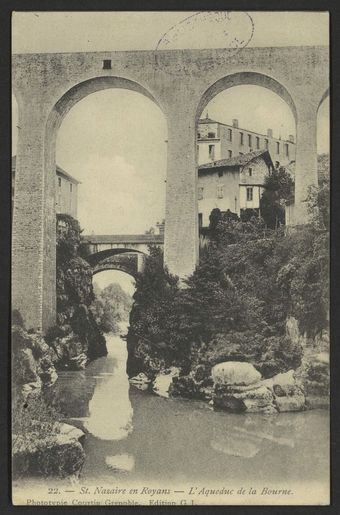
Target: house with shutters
column 234, row 184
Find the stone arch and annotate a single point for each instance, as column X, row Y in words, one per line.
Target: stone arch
column 54, row 118
column 97, row 257
column 119, row 268
column 246, row 78
column 126, row 260
column 87, row 87
column 71, row 97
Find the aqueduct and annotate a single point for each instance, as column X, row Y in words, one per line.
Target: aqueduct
column 181, row 82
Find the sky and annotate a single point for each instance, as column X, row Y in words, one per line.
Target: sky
column 99, row 31
column 120, row 157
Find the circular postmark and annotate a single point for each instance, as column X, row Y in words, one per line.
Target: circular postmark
column 232, row 30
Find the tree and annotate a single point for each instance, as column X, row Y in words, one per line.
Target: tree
column 110, row 307
column 279, row 187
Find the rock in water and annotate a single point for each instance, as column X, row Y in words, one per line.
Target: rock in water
column 68, row 433
column 163, row 381
column 295, row 402
column 235, row 373
column 287, row 391
column 238, row 388
column 141, row 381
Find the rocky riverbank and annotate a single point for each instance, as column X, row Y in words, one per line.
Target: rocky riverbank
column 238, row 386
column 41, row 443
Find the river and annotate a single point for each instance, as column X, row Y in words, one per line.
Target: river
column 135, row 433
column 137, row 437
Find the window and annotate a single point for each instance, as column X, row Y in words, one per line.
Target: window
column 287, row 149
column 266, row 143
column 249, row 194
column 59, row 182
column 200, row 193
column 212, row 152
column 230, row 153
column 107, row 64
column 249, row 140
column 200, row 219
column 220, row 173
column 219, row 191
column 250, row 172
column 257, row 142
column 277, row 147
column 211, row 135
column 71, row 187
column 230, row 135
column 198, row 135
column 241, row 138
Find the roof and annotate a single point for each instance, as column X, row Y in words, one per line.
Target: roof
column 237, row 161
column 201, row 121
column 59, row 171
column 124, row 238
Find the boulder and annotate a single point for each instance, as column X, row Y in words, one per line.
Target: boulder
column 49, row 376
column 32, row 387
column 141, row 381
column 235, row 373
column 284, row 379
column 295, row 402
column 238, row 388
column 59, row 454
column 163, row 381
column 68, row 433
column 259, row 399
column 61, row 459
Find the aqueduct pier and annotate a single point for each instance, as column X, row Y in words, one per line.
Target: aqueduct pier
column 181, row 83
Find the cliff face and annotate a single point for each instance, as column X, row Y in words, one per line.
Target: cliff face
column 76, row 339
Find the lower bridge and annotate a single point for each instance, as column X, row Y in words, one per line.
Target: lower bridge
column 123, row 252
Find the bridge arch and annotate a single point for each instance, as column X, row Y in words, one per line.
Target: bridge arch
column 125, row 260
column 118, row 268
column 54, row 120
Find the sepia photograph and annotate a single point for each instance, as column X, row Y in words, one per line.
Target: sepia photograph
column 170, row 339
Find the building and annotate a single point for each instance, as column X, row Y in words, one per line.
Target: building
column 236, row 184
column 66, row 201
column 216, row 141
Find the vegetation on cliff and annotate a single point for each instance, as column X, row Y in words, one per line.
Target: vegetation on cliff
column 236, row 303
column 76, row 337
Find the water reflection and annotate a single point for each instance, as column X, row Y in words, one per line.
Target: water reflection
column 110, row 410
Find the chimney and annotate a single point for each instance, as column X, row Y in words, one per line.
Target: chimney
column 235, row 123
column 291, row 138
column 160, row 227
column 270, row 133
